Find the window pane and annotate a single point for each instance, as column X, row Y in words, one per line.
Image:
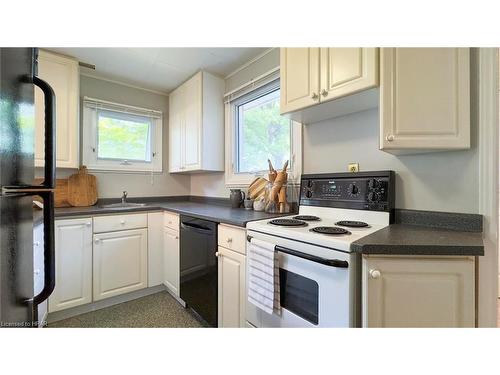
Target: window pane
column 262, row 134
column 124, row 137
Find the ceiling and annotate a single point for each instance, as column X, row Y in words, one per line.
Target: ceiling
column 160, row 69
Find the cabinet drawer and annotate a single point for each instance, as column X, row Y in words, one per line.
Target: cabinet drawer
column 119, row 222
column 232, row 238
column 171, row 220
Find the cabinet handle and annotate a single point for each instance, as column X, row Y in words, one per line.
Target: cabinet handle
column 314, row 96
column 324, row 92
column 389, row 137
column 375, row 274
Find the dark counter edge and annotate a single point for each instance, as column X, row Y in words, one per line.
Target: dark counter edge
column 444, row 223
column 98, row 210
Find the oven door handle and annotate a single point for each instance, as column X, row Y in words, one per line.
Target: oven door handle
column 313, row 258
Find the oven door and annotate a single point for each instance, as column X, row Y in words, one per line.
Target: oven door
column 312, row 294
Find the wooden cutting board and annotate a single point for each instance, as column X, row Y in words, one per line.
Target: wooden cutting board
column 257, row 188
column 82, row 188
column 60, row 193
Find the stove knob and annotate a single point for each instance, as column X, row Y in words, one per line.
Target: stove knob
column 373, row 184
column 309, row 183
column 353, row 189
column 373, row 197
column 309, row 194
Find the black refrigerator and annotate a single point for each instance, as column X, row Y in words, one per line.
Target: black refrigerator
column 18, row 302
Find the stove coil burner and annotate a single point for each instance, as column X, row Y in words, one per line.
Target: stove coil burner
column 288, row 222
column 330, row 230
column 306, row 218
column 351, row 224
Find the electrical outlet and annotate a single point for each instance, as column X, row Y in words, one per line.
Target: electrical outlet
column 353, row 167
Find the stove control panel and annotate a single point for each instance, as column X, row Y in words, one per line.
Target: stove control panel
column 361, row 190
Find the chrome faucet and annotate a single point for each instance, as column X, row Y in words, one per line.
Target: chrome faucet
column 124, row 197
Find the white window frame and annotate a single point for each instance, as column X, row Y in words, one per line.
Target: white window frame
column 234, row 179
column 91, row 106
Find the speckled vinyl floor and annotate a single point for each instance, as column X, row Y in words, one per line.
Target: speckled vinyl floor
column 156, row 310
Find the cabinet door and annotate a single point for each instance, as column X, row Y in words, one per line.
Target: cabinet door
column 424, row 99
column 345, row 71
column 120, row 262
column 171, row 259
column 299, row 70
column 62, row 74
column 192, row 123
column 73, row 246
column 176, row 118
column 231, row 288
column 418, row 292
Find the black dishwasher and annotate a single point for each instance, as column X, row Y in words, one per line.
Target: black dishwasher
column 198, row 267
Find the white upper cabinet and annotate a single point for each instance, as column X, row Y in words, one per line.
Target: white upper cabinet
column 61, row 73
column 318, row 83
column 196, row 125
column 424, row 99
column 299, row 82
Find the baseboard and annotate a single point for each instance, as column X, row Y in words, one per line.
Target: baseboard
column 78, row 310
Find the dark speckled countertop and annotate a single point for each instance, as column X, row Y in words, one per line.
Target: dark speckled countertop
column 426, row 233
column 220, row 213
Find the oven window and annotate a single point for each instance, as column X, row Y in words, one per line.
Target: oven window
column 299, row 295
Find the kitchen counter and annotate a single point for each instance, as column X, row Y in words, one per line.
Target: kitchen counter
column 204, row 210
column 415, row 233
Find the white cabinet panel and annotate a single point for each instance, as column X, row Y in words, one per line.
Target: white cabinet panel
column 231, row 288
column 418, row 291
column 345, row 71
column 424, row 99
column 73, row 246
column 299, row 69
column 120, row 262
column 171, row 260
column 155, row 248
column 196, row 123
column 62, row 74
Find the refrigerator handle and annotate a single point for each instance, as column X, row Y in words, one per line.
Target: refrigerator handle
column 50, row 133
column 49, row 264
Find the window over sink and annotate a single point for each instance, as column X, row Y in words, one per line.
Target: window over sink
column 119, row 137
column 257, row 132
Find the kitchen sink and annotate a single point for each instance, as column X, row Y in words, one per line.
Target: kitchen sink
column 123, row 205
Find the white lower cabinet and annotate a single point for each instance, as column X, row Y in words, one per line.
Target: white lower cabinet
column 231, row 288
column 424, row 291
column 73, row 249
column 120, row 262
column 155, row 248
column 171, row 260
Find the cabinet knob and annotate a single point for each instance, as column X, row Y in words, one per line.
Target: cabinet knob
column 36, row 272
column 389, row 137
column 375, row 274
column 324, row 92
column 176, row 237
column 88, row 224
column 122, row 222
column 314, row 96
column 217, row 254
column 229, row 240
column 96, row 241
column 36, row 243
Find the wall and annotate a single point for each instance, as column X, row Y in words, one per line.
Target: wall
column 111, row 185
column 442, row 181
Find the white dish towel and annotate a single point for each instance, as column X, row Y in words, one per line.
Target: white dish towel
column 263, row 276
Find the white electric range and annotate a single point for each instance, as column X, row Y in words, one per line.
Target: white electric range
column 319, row 275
